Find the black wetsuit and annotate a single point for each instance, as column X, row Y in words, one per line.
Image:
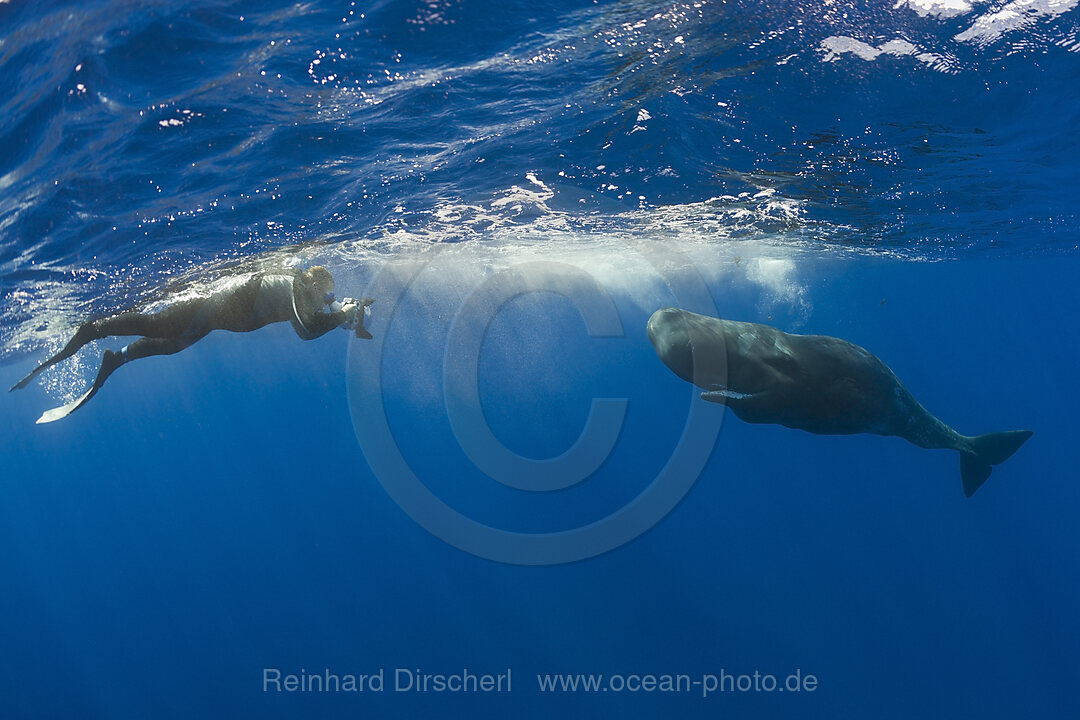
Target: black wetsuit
column 279, row 296
column 265, row 298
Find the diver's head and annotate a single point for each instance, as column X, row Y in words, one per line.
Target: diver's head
column 321, row 279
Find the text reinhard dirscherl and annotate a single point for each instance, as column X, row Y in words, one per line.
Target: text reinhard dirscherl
column 409, row 680
column 400, row 680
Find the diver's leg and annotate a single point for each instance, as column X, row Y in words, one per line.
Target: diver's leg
column 138, row 349
column 112, row 360
column 87, row 332
column 174, row 321
column 147, row 347
column 171, row 322
column 178, row 320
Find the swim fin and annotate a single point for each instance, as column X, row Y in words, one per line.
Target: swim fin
column 109, row 363
column 61, row 412
column 26, row 380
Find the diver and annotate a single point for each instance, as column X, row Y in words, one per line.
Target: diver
column 286, row 295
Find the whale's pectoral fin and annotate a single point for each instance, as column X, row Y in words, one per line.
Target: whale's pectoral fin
column 723, row 396
column 749, row 407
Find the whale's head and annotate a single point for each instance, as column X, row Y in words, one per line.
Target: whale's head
column 691, row 345
column 670, row 335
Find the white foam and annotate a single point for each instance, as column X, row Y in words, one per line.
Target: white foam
column 937, row 8
column 898, row 47
column 835, row 46
column 1013, row 16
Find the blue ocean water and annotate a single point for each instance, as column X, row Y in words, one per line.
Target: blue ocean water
column 519, row 186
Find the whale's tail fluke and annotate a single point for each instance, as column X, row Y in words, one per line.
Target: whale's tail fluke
column 986, row 451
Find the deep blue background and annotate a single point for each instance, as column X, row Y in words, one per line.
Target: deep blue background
column 212, row 513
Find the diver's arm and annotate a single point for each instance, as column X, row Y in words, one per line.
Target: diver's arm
column 309, row 320
column 317, row 324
